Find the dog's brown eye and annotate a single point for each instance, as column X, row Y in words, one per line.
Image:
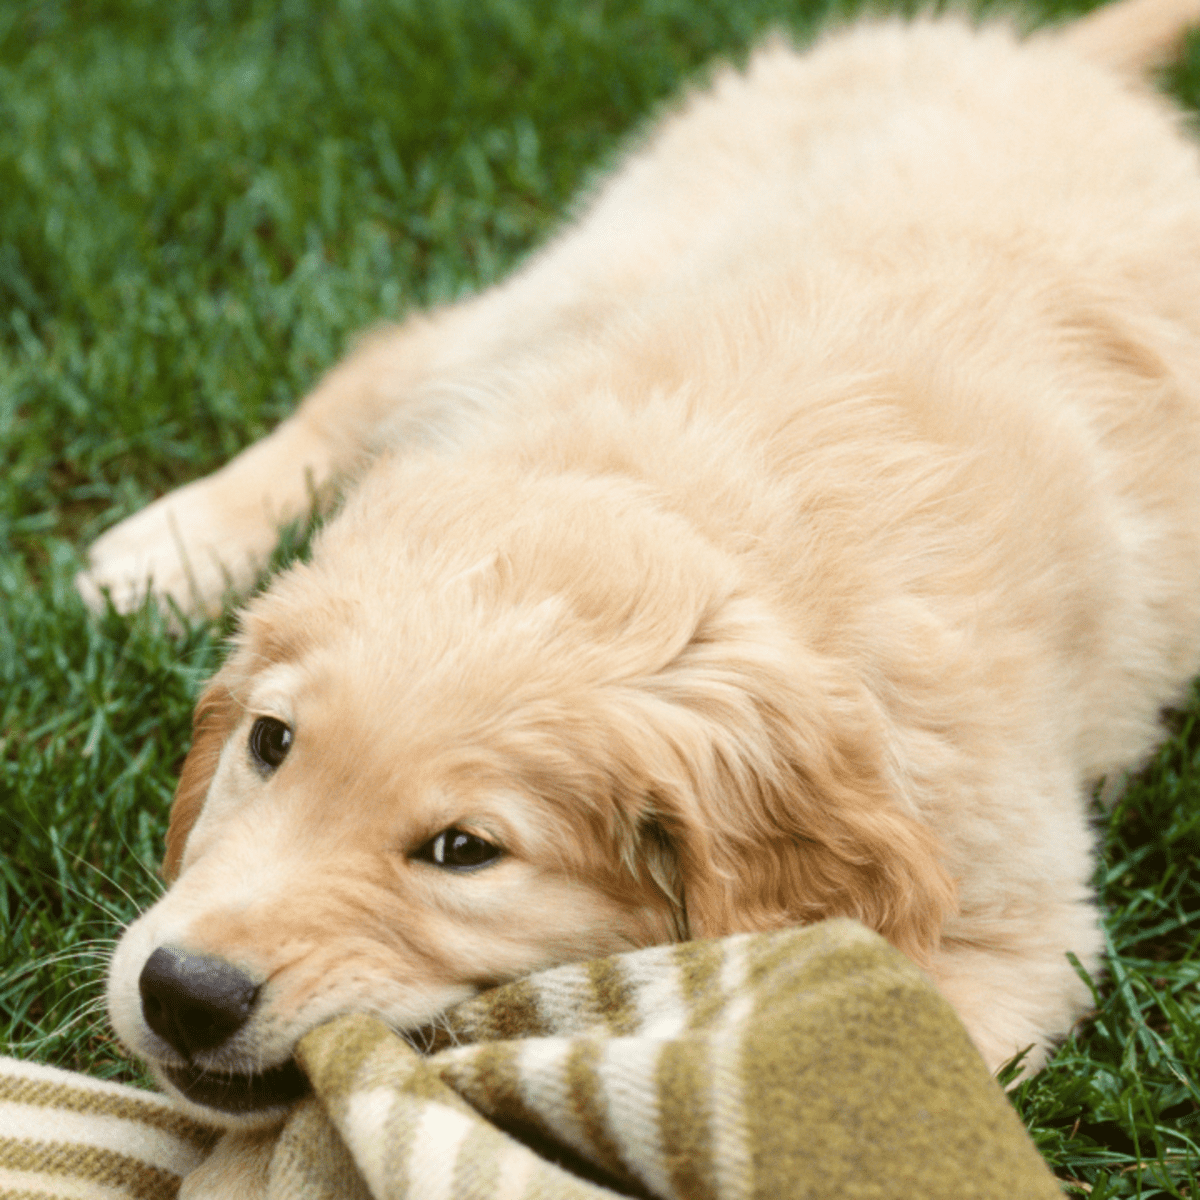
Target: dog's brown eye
column 270, row 740
column 458, row 851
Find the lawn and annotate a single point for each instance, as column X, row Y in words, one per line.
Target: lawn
column 202, row 202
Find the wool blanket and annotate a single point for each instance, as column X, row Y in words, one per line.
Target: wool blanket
column 810, row 1063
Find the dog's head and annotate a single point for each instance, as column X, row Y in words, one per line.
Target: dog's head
column 540, row 723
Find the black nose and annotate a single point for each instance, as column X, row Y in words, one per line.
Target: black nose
column 194, row 1001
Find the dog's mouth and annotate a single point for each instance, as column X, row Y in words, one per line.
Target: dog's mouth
column 273, row 1088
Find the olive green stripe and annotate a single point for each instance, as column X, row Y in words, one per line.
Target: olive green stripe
column 394, row 1065
column 807, row 958
column 612, row 996
column 490, row 1081
column 502, row 1015
column 586, row 1098
column 357, row 1053
column 698, row 968
column 50, row 1094
column 791, row 950
column 489, row 1078
column 90, row 1163
column 683, row 1078
column 332, row 1056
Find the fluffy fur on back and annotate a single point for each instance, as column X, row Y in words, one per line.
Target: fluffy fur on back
column 803, row 533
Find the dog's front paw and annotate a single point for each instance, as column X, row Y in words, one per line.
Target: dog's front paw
column 201, row 542
column 187, row 547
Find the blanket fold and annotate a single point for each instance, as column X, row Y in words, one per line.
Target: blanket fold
column 813, row 1063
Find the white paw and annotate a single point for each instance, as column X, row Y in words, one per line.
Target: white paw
column 185, row 546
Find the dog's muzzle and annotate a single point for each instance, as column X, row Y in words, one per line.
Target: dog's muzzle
column 196, row 1003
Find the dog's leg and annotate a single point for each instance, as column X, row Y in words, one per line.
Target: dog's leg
column 1021, row 990
column 214, row 534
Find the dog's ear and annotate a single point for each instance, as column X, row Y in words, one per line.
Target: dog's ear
column 215, row 716
column 784, row 807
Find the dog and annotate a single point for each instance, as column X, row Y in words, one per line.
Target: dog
column 805, row 531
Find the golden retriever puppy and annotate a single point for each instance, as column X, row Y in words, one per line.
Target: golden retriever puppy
column 804, row 532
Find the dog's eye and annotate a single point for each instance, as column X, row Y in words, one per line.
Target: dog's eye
column 270, row 740
column 458, row 851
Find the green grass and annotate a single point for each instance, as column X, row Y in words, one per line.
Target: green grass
column 201, row 203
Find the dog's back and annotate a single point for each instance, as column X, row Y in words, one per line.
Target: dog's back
column 909, row 242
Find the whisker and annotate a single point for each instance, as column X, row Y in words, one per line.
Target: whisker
column 85, row 1016
column 134, row 903
column 100, row 950
column 151, row 873
column 118, row 915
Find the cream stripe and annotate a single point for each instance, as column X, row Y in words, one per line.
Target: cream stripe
column 629, row 1073
column 726, row 1099
column 151, row 1146
column 57, row 1187
column 436, row 1141
column 363, row 1128
column 515, row 1173
column 734, row 964
column 654, row 979
column 559, row 996
column 14, row 1068
column 542, row 1079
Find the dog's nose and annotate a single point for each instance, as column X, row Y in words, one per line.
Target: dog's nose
column 194, row 1001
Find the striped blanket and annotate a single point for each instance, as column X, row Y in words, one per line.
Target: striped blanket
column 812, row 1062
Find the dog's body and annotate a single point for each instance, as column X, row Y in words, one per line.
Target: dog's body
column 804, row 532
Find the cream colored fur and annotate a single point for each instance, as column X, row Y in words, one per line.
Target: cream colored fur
column 805, row 531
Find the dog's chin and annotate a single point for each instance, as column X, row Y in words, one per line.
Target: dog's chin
column 236, row 1101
